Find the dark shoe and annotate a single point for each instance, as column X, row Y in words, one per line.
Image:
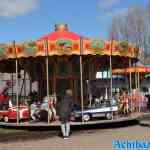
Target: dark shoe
column 60, row 134
column 70, row 133
column 66, row 137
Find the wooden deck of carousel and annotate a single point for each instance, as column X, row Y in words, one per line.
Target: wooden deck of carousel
column 120, row 121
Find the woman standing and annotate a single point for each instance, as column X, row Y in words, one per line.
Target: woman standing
column 66, row 105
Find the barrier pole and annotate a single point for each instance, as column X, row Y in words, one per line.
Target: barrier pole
column 17, row 88
column 81, row 76
column 110, row 67
column 138, row 74
column 47, row 77
column 130, row 84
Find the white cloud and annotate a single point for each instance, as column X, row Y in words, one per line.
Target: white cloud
column 107, row 4
column 120, row 12
column 109, row 8
column 10, row 8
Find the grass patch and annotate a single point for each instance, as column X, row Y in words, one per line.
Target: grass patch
column 9, row 131
column 12, row 135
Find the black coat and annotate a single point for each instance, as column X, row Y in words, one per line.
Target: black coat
column 65, row 108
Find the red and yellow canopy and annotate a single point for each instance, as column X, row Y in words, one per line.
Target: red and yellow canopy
column 63, row 42
column 138, row 69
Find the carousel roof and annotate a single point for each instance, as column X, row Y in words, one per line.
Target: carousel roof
column 139, row 69
column 64, row 42
column 61, row 32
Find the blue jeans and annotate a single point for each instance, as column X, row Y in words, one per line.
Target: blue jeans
column 65, row 128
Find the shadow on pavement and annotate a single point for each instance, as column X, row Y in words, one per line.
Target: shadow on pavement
column 40, row 133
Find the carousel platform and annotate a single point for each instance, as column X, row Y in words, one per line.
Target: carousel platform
column 116, row 122
column 145, row 123
column 146, row 120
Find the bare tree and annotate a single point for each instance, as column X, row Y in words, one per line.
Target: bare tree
column 133, row 26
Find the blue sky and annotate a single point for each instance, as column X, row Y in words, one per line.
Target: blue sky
column 22, row 20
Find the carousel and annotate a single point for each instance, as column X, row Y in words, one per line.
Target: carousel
column 139, row 84
column 63, row 60
column 139, row 76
